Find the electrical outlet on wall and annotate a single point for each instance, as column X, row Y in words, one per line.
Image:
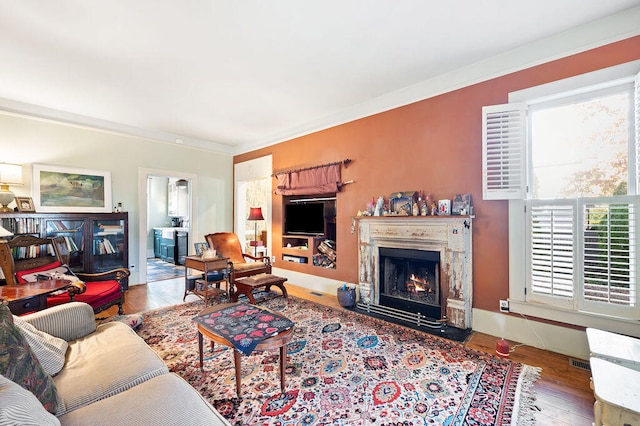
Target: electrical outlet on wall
column 504, row 306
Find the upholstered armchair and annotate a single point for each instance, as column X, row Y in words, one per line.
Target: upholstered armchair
column 100, row 291
column 227, row 244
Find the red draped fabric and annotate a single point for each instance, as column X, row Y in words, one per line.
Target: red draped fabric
column 313, row 181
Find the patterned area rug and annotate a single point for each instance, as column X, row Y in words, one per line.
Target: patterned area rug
column 344, row 368
column 158, row 270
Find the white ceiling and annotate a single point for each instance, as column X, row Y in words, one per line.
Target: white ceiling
column 233, row 75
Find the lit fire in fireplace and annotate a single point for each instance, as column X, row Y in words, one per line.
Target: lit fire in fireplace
column 416, row 285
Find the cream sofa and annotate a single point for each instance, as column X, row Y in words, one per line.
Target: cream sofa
column 109, row 377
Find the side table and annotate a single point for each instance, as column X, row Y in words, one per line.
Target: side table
column 203, row 288
column 31, row 296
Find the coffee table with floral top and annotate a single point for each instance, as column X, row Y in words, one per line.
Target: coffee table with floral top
column 245, row 328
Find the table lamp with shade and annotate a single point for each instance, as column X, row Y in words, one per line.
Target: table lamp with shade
column 10, row 174
column 255, row 214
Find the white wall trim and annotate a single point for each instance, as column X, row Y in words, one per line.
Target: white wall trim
column 23, row 109
column 311, row 282
column 554, row 338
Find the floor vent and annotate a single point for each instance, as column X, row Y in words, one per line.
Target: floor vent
column 578, row 363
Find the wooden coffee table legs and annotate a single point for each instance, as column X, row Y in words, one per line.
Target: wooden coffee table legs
column 237, row 361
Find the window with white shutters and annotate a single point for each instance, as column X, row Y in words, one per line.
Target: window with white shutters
column 572, row 160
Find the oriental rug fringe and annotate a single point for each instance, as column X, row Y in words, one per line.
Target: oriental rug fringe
column 345, row 368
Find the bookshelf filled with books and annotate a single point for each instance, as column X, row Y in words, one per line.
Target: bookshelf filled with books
column 97, row 242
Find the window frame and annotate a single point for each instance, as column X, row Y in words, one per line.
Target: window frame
column 518, row 263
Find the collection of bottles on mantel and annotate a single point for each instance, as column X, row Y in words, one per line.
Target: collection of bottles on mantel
column 414, row 203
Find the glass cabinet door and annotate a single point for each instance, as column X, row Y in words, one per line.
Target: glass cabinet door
column 72, row 230
column 108, row 239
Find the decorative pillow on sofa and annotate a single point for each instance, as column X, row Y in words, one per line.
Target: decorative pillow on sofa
column 49, row 350
column 19, row 364
column 20, row 407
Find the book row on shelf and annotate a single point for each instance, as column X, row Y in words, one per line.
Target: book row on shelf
column 21, row 225
column 31, row 252
column 104, row 247
column 71, row 244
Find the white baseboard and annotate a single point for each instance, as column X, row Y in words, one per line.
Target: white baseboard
column 312, row 282
column 567, row 341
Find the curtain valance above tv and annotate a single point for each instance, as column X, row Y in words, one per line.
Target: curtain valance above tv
column 325, row 179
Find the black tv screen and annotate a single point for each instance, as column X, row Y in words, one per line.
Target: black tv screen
column 305, row 218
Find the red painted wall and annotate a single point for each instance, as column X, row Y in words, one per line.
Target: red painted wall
column 434, row 145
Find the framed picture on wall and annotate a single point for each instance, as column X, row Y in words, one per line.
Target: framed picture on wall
column 68, row 189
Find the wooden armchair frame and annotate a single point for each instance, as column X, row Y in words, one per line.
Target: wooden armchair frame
column 227, row 244
column 10, row 266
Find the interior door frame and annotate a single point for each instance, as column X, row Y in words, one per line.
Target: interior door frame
column 143, row 175
column 258, row 168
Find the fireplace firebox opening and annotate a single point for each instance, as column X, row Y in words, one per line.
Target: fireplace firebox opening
column 410, row 281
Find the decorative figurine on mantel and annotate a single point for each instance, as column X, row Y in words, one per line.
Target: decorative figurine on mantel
column 379, row 206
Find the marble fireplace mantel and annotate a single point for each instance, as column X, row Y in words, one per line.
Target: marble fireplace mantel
column 448, row 235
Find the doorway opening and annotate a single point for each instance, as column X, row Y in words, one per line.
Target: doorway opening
column 167, row 224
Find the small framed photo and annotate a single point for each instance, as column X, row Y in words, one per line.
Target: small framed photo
column 25, row 205
column 461, row 204
column 200, row 248
column 444, row 207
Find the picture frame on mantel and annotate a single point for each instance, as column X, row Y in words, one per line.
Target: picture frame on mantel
column 71, row 190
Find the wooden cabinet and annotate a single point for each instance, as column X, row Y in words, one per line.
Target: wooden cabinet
column 316, row 251
column 157, row 243
column 97, row 242
column 309, row 226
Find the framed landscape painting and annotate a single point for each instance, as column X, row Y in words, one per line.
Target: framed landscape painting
column 71, row 190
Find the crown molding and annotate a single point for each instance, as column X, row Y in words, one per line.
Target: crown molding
column 30, row 111
column 579, row 39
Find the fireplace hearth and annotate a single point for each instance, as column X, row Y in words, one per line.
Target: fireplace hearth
column 416, row 269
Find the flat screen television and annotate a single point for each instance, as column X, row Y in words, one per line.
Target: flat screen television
column 304, row 218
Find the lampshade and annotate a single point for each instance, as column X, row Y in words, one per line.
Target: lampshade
column 255, row 213
column 5, row 233
column 10, row 174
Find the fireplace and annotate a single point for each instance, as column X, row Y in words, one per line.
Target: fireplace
column 416, row 269
column 410, row 280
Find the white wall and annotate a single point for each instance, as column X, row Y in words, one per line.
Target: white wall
column 26, row 141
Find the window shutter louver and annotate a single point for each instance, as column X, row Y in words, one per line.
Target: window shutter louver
column 609, row 253
column 552, row 250
column 636, row 107
column 503, row 151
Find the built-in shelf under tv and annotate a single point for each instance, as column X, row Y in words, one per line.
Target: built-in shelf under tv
column 304, row 218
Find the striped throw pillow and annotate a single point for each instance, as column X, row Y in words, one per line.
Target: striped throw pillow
column 49, row 350
column 18, row 406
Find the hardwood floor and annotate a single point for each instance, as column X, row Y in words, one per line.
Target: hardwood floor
column 563, row 394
